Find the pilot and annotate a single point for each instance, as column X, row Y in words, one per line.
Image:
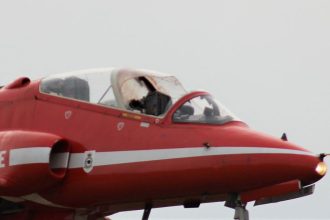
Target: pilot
column 184, row 112
column 138, row 104
column 154, row 103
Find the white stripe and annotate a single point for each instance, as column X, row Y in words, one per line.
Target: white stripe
column 37, row 155
column 77, row 160
column 29, row 155
column 122, row 157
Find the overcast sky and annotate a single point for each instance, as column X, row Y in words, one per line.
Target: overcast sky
column 267, row 61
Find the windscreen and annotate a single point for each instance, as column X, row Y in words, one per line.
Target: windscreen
column 203, row 109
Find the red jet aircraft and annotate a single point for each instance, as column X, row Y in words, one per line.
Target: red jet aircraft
column 88, row 144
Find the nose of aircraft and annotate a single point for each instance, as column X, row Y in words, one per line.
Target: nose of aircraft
column 310, row 167
column 289, row 161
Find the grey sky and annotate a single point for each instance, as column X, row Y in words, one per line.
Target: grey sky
column 268, row 61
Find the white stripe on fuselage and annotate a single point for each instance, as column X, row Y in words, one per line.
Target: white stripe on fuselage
column 40, row 155
column 122, row 157
column 31, row 155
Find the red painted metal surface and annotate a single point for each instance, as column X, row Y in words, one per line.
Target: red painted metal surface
column 32, row 119
column 271, row 191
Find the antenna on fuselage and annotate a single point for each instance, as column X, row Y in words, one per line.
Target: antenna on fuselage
column 284, row 137
column 323, row 155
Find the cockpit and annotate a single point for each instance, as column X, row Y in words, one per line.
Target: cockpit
column 203, row 109
column 139, row 91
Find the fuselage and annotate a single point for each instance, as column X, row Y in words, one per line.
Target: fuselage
column 138, row 159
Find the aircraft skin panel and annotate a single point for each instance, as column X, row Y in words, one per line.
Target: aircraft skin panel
column 77, row 159
column 190, row 173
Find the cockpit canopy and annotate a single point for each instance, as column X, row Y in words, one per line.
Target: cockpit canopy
column 136, row 90
column 203, row 109
column 139, row 91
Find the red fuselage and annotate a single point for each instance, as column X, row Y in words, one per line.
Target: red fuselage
column 134, row 159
